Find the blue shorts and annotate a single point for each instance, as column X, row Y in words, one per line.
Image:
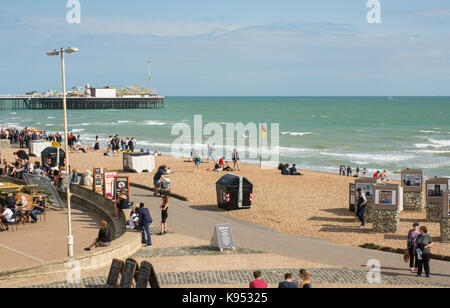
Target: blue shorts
column 157, row 183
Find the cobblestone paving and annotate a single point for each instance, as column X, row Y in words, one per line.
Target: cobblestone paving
column 190, row 251
column 272, row 276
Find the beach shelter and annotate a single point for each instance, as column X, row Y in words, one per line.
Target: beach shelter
column 56, row 155
column 234, row 192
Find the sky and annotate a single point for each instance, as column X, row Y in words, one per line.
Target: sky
column 231, row 48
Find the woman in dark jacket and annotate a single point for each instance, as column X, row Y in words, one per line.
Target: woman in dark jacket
column 423, row 250
column 103, row 239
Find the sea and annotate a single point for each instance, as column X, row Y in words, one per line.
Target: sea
column 316, row 133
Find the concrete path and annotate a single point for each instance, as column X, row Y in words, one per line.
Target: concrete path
column 200, row 222
column 46, row 241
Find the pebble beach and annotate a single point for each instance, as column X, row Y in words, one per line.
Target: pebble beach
column 313, row 205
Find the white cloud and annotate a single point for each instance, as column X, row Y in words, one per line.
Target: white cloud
column 128, row 26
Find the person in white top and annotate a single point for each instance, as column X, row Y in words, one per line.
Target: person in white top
column 211, row 153
column 134, row 219
column 6, row 217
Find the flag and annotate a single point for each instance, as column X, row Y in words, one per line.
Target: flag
column 263, row 130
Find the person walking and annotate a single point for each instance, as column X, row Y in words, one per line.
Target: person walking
column 164, row 214
column 210, row 153
column 361, row 209
column 423, row 249
column 96, row 144
column 145, row 220
column 159, row 176
column 411, row 242
column 235, row 158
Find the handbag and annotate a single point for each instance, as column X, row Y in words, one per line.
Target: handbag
column 406, row 256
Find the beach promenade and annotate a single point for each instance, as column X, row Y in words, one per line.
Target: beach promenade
column 183, row 257
column 199, row 222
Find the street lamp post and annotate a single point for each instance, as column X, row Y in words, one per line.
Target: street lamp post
column 66, row 147
column 149, row 78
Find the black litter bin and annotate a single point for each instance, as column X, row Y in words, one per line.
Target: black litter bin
column 234, row 192
column 56, row 155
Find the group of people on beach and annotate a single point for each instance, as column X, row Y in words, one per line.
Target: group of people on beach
column 285, row 170
column 23, row 165
column 348, row 171
column 219, row 164
column 23, row 137
column 116, row 144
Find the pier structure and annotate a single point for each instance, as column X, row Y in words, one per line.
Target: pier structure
column 40, row 102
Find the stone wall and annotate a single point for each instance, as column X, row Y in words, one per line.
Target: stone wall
column 369, row 213
column 445, row 229
column 434, row 211
column 385, row 221
column 101, row 207
column 413, row 201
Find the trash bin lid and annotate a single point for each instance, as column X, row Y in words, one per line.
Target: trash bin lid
column 231, row 180
column 52, row 150
column 228, row 180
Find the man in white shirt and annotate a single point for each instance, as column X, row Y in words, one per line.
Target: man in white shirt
column 6, row 217
column 134, row 220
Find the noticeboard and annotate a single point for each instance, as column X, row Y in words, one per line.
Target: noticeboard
column 223, row 237
column 388, row 197
column 98, row 183
column 128, row 275
column 109, row 178
column 367, row 186
column 115, row 271
column 121, row 182
column 435, row 189
column 412, row 180
column 352, row 197
column 146, row 275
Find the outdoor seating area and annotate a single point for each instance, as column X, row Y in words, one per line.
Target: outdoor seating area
column 21, row 205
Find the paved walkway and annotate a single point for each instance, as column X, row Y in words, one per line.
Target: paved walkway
column 46, row 241
column 199, row 222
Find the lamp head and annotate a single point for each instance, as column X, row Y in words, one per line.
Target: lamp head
column 53, row 53
column 72, row 50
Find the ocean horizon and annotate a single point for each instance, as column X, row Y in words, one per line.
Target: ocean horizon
column 316, row 132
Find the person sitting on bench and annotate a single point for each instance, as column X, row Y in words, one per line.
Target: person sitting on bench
column 122, row 202
column 38, row 209
column 103, row 239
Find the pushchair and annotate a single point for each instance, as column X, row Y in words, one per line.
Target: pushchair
column 165, row 189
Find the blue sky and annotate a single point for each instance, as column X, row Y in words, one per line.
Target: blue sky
column 246, row 47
